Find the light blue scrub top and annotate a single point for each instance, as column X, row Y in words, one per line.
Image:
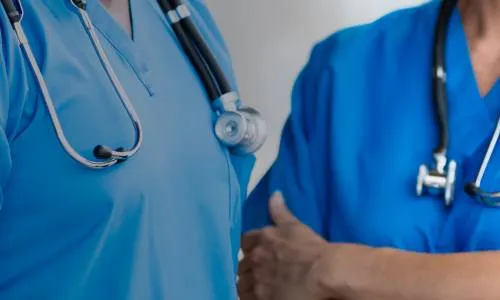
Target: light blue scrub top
column 163, row 225
column 363, row 121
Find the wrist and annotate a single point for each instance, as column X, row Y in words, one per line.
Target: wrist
column 343, row 270
column 330, row 273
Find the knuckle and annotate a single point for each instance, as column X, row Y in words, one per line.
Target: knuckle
column 268, row 233
column 261, row 292
column 245, row 264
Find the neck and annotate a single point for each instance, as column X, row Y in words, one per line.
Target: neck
column 481, row 17
column 120, row 10
column 481, row 22
column 109, row 3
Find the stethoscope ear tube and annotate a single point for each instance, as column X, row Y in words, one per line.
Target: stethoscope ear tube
column 190, row 50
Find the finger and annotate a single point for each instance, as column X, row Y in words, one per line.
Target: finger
column 262, row 292
column 249, row 241
column 268, row 239
column 248, row 296
column 245, row 264
column 264, row 275
column 246, row 284
column 280, row 213
column 261, row 256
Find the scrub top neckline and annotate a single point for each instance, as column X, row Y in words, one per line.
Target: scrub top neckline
column 493, row 101
column 114, row 32
column 96, row 8
column 122, row 43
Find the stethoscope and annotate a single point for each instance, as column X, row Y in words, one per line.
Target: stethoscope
column 241, row 129
column 440, row 180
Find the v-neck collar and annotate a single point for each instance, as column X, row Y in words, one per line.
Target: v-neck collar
column 119, row 39
column 470, row 121
column 97, row 10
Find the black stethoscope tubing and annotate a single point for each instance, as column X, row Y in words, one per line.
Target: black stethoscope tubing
column 200, row 55
column 441, row 178
column 439, row 74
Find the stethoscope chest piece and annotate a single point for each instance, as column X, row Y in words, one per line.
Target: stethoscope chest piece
column 438, row 181
column 243, row 131
column 230, row 128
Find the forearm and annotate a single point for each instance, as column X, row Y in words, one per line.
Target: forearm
column 361, row 273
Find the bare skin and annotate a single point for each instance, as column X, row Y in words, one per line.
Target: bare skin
column 481, row 20
column 120, row 10
column 289, row 261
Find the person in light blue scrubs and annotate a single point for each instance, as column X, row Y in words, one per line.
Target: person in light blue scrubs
column 164, row 224
column 363, row 119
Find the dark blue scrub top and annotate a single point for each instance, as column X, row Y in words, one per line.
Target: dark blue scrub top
column 363, row 121
column 165, row 224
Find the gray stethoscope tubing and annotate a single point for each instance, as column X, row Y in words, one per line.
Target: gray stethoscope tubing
column 241, row 129
column 110, row 157
column 441, row 179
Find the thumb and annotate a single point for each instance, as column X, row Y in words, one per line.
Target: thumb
column 280, row 213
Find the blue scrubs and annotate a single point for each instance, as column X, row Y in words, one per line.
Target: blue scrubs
column 163, row 225
column 362, row 122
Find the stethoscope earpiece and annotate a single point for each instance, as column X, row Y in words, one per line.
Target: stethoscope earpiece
column 102, row 152
column 106, row 153
column 471, row 189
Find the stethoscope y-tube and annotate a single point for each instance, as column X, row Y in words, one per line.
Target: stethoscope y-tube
column 441, row 178
column 241, row 129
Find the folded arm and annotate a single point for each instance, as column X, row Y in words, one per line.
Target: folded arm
column 358, row 273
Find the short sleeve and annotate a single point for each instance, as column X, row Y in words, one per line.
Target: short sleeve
column 299, row 171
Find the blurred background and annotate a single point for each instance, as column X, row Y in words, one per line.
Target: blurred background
column 270, row 41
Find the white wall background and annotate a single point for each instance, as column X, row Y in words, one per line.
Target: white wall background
column 270, row 41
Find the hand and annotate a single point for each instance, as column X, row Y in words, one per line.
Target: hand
column 282, row 262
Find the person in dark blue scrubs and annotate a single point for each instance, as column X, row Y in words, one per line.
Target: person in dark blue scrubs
column 162, row 225
column 362, row 122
